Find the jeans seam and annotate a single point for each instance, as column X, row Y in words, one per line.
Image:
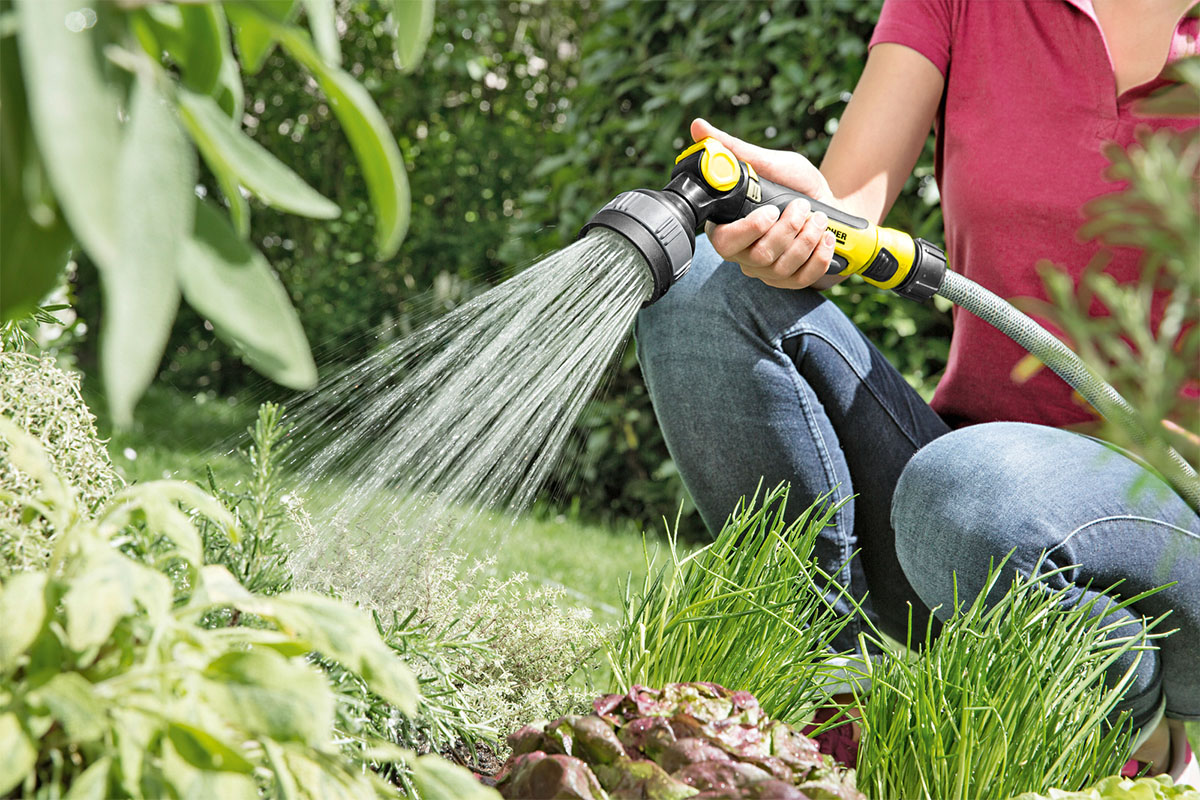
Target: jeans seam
column 802, row 328
column 1123, row 518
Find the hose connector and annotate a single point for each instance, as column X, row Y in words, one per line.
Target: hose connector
column 928, row 271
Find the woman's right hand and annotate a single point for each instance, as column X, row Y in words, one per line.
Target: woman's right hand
column 788, row 250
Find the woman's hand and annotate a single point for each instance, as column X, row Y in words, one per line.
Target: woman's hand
column 789, row 250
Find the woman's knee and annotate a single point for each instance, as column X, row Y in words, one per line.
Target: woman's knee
column 958, row 510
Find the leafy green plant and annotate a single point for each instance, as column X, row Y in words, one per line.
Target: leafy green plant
column 1143, row 337
column 685, row 740
column 748, row 610
column 104, row 110
column 108, row 689
column 1009, row 698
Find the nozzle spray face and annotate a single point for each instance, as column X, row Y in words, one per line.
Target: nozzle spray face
column 660, row 226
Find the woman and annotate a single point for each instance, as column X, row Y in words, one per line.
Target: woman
column 764, row 379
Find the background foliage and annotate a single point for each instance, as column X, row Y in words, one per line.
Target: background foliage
column 521, row 121
column 107, row 113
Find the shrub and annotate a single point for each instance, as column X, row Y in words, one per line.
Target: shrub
column 106, row 111
column 492, row 652
column 45, row 402
column 109, row 688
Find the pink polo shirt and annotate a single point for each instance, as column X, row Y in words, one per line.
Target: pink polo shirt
column 1030, row 100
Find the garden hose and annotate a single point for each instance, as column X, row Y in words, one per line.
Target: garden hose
column 709, row 184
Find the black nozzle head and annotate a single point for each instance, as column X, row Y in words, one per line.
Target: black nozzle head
column 660, row 225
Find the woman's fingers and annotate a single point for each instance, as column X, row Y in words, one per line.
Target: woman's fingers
column 734, row 238
column 791, row 251
column 766, row 252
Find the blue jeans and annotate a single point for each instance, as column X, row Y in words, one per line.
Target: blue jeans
column 753, row 384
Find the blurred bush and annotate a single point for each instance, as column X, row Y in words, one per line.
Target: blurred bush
column 522, row 119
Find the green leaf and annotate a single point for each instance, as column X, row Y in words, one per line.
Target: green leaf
column 17, row 753
column 35, row 239
column 254, row 38
column 413, row 21
column 96, row 602
column 92, row 783
column 72, row 701
column 348, row 635
column 156, row 499
column 156, row 174
column 201, row 54
column 133, row 732
column 232, row 154
column 438, row 779
column 204, row 751
column 269, row 695
column 322, row 23
column 232, row 285
column 373, row 144
column 23, row 609
column 68, row 94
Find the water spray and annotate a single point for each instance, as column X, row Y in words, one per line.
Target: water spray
column 709, row 184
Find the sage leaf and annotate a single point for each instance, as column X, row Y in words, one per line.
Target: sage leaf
column 92, row 783
column 348, row 635
column 232, row 153
column 17, row 753
column 269, row 695
column 204, row 751
column 72, row 701
column 322, row 22
column 253, row 36
column 413, row 21
column 96, row 602
column 200, row 52
column 23, row 610
column 231, row 284
column 36, row 239
column 67, row 94
column 437, row 777
column 156, row 173
column 372, row 142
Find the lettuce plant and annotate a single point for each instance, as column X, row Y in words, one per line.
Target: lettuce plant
column 686, row 740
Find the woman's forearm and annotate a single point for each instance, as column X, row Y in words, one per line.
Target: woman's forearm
column 881, row 134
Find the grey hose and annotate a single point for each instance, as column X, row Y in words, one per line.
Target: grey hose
column 1019, row 327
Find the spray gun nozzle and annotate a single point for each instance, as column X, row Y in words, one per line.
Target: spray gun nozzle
column 659, row 225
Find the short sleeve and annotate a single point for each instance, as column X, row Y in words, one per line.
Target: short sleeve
column 924, row 25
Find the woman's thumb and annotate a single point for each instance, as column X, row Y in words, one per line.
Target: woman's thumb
column 758, row 156
column 775, row 165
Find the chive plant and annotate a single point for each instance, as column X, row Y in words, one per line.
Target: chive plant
column 1010, row 698
column 748, row 611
